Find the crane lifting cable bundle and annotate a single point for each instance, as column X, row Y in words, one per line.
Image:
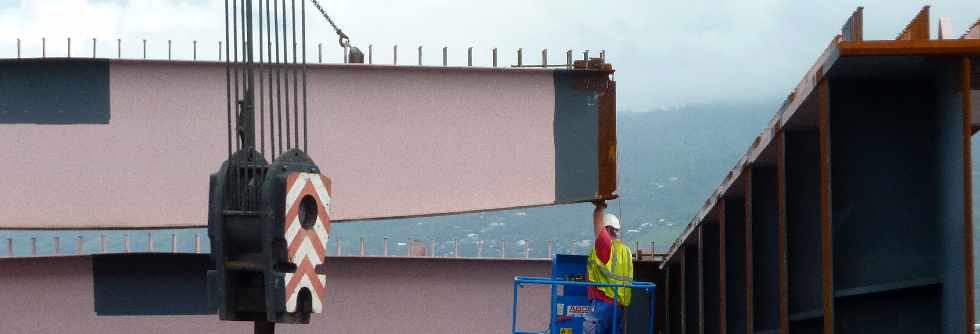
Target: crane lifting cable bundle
column 354, row 55
column 268, row 221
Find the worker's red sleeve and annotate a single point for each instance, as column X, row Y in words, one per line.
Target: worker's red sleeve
column 603, row 245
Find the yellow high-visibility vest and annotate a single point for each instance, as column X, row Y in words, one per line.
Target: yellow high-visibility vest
column 619, row 270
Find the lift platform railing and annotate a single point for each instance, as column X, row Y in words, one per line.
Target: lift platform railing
column 520, row 281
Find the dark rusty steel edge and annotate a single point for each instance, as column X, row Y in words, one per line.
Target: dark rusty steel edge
column 917, row 27
column 781, row 235
column 683, row 292
column 749, row 280
column 607, row 145
column 823, row 110
column 701, row 279
column 965, row 92
column 722, row 270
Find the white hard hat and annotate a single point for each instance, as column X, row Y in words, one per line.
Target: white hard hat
column 609, row 219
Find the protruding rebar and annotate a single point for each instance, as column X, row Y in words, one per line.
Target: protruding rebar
column 93, row 48
column 119, row 48
column 420, row 55
column 173, row 242
column 527, row 248
column 144, row 48
column 585, row 55
column 44, row 47
column 503, row 248
column 550, row 248
column 197, row 243
column 386, row 247
column 18, row 48
column 319, row 53
column 149, row 241
column 33, row 246
column 469, row 56
column 455, row 247
column 126, row 242
column 395, row 57
column 479, row 248
column 69, row 47
column 432, row 251
column 544, row 58
column 362, row 246
column 169, row 49
column 568, row 58
column 337, row 243
column 220, row 48
column 520, row 56
column 370, row 54
column 494, row 57
column 602, row 55
column 195, row 50
column 445, row 56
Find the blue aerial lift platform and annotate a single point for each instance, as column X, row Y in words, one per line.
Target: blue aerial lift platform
column 570, row 303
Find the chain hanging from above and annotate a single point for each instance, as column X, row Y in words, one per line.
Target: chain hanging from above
column 354, row 54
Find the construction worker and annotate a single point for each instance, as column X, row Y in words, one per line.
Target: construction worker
column 610, row 262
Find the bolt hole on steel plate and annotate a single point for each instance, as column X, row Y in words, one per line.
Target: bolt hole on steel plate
column 307, row 212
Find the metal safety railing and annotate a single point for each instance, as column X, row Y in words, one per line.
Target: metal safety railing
column 520, row 281
column 183, row 51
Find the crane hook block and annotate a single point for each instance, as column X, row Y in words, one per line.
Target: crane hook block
column 269, row 225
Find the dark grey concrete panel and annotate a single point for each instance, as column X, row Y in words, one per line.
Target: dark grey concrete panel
column 576, row 138
column 804, row 250
column 54, row 91
column 150, row 284
column 735, row 275
column 765, row 269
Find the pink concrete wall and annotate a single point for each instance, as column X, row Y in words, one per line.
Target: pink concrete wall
column 365, row 295
column 396, row 141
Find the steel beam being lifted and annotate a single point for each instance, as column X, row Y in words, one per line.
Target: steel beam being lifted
column 97, row 143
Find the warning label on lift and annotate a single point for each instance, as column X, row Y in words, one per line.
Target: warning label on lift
column 577, row 310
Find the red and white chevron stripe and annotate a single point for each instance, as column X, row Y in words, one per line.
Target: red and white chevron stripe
column 307, row 247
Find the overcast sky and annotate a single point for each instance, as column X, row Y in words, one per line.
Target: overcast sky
column 666, row 54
